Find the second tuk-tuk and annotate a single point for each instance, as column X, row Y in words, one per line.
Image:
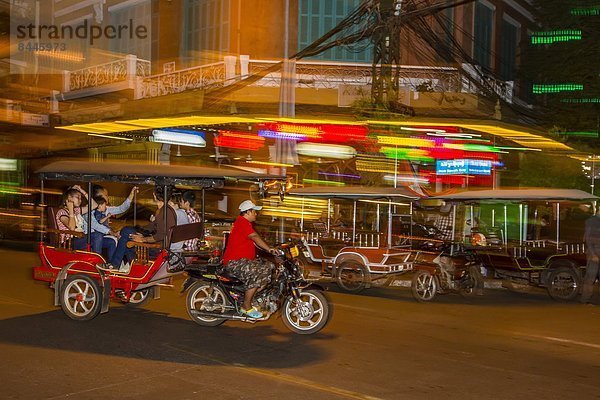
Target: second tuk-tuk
column 362, row 234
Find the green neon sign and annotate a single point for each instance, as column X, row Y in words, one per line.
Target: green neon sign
column 556, row 88
column 550, row 37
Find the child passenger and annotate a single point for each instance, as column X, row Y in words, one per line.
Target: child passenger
column 100, row 212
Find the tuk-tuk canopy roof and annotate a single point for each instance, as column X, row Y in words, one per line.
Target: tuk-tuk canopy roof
column 356, row 192
column 520, row 195
column 128, row 172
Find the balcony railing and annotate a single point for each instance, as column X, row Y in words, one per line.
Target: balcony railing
column 122, row 70
column 201, row 77
column 309, row 74
column 330, row 75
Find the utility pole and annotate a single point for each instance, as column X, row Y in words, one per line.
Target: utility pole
column 386, row 53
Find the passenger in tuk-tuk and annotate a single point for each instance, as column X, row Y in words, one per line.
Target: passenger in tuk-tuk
column 188, row 199
column 103, row 237
column 154, row 232
column 69, row 216
column 239, row 259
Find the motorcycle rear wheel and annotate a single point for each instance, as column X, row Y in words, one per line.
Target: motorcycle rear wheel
column 198, row 295
column 424, row 286
column 475, row 286
column 307, row 315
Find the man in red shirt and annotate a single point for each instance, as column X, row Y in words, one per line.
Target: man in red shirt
column 239, row 259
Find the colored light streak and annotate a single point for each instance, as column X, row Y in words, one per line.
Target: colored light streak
column 408, row 128
column 472, row 147
column 339, row 175
column 374, row 166
column 322, row 182
column 591, row 11
column 239, row 140
column 406, row 154
column 271, row 164
column 588, row 134
column 454, row 135
column 405, row 179
column 335, row 151
column 406, row 142
column 384, row 202
column 110, row 137
column 183, row 137
column 281, row 135
column 327, row 133
column 588, row 100
column 518, row 148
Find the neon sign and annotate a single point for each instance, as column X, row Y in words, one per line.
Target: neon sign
column 465, row 166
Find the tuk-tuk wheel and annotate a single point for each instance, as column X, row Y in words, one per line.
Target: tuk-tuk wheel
column 563, row 284
column 81, row 297
column 140, row 298
column 352, row 276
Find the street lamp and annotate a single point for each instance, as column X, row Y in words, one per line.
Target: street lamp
column 589, row 169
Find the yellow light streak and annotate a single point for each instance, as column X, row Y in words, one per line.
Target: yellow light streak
column 272, row 164
column 405, row 142
column 109, row 136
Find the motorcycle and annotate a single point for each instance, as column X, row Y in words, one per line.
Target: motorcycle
column 447, row 274
column 214, row 298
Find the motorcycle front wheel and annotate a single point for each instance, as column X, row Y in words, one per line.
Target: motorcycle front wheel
column 204, row 297
column 424, row 286
column 308, row 314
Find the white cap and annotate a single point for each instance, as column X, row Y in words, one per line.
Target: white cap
column 248, row 205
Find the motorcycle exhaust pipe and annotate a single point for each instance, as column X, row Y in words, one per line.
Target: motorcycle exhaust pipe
column 234, row 317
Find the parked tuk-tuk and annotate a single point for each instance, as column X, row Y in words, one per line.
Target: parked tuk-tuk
column 362, row 235
column 82, row 282
column 526, row 237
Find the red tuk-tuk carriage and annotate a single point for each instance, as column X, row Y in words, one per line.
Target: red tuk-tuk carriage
column 82, row 284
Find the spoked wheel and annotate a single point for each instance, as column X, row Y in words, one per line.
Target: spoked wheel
column 205, row 297
column 308, row 314
column 563, row 284
column 352, row 276
column 424, row 286
column 140, row 297
column 81, row 298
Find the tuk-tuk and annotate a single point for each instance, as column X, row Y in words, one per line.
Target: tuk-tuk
column 526, row 237
column 362, row 234
column 83, row 284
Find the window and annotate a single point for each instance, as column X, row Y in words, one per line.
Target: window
column 141, row 14
column 317, row 17
column 206, row 31
column 508, row 50
column 482, row 46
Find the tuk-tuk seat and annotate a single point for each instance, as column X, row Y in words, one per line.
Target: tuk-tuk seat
column 177, row 233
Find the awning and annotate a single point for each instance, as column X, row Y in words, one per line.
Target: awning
column 519, row 195
column 147, row 173
column 356, row 192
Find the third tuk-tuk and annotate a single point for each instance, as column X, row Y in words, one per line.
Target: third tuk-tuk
column 526, row 237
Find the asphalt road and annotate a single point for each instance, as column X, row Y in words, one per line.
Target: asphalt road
column 379, row 345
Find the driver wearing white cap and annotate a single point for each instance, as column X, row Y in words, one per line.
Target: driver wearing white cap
column 239, row 259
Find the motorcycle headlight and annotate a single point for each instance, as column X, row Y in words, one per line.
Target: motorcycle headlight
column 294, row 251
